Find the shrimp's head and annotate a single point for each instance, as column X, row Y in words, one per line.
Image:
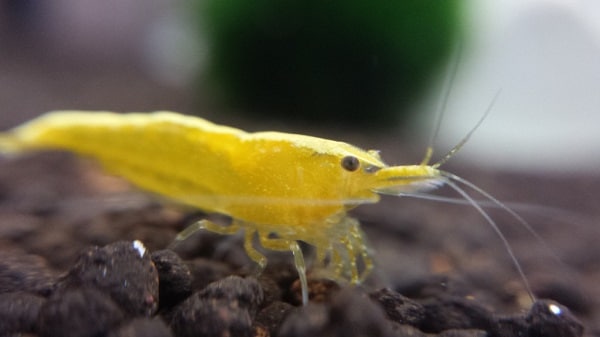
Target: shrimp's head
column 367, row 176
column 323, row 172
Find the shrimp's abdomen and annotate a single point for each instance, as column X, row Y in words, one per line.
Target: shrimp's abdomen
column 195, row 162
column 169, row 154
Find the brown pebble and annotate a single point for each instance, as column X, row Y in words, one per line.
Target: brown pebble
column 198, row 316
column 224, row 307
column 261, row 331
column 273, row 315
column 398, row 308
column 243, row 292
column 319, row 290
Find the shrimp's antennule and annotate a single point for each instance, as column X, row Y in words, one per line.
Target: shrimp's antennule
column 466, row 138
column 442, row 104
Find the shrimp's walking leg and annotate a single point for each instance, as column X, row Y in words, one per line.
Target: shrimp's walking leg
column 208, row 225
column 356, row 247
column 254, row 254
column 350, row 260
column 321, row 254
column 290, row 245
column 358, row 238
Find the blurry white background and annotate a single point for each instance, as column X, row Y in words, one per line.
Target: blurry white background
column 545, row 57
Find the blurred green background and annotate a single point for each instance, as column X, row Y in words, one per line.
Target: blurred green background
column 343, row 61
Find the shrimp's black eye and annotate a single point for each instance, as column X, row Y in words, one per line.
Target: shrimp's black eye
column 350, row 163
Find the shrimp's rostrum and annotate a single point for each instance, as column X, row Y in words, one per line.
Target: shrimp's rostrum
column 282, row 187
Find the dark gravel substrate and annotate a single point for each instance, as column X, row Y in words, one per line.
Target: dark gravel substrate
column 82, row 255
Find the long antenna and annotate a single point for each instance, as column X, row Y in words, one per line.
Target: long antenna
column 443, row 103
column 451, row 179
column 466, row 138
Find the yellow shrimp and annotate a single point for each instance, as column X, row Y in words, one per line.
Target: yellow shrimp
column 282, row 187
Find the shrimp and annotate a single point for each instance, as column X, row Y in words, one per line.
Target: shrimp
column 283, row 188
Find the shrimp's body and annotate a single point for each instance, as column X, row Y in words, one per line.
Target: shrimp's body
column 283, row 187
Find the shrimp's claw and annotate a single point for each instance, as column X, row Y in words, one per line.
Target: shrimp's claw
column 346, row 256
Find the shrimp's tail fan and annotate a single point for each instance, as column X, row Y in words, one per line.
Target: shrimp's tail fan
column 9, row 143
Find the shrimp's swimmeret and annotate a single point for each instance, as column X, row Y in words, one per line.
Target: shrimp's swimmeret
column 282, row 187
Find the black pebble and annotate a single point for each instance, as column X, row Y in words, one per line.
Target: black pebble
column 510, row 326
column 19, row 312
column 22, row 272
column 452, row 312
column 80, row 312
column 143, row 327
column 175, row 279
column 206, row 271
column 550, row 319
column 123, row 272
column 310, row 320
column 463, row 333
column 403, row 330
column 351, row 313
column 271, row 290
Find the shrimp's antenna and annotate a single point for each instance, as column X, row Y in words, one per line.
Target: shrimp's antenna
column 466, row 138
column 443, row 103
column 452, row 180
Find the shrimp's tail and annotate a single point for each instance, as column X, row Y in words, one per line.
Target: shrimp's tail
column 9, row 143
